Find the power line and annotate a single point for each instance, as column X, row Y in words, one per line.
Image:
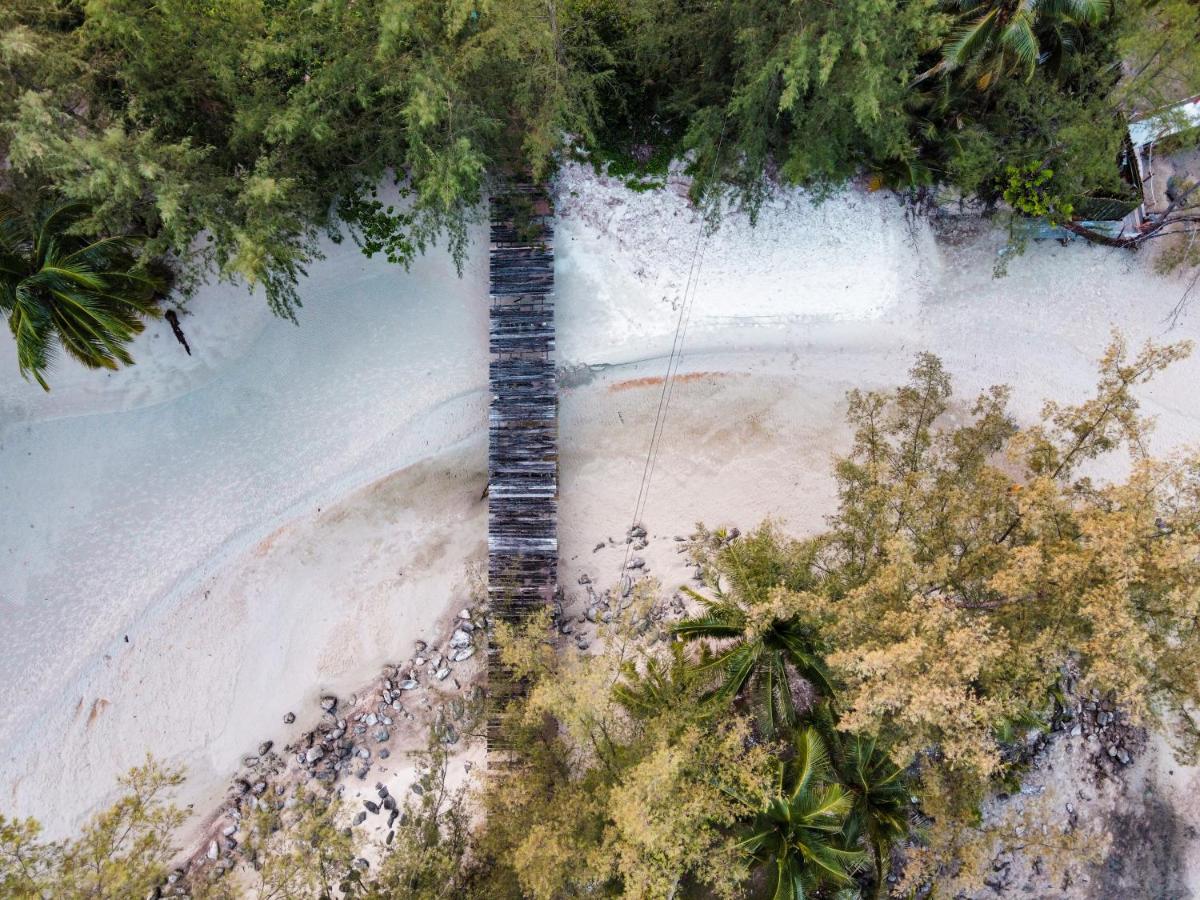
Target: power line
column 674, row 360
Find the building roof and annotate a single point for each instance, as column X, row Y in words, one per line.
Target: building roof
column 1166, row 122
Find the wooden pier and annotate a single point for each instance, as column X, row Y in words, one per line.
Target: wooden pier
column 522, row 424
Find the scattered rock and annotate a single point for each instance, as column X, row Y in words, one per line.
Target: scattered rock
column 265, row 747
column 313, row 754
column 289, row 718
column 329, row 703
column 465, row 653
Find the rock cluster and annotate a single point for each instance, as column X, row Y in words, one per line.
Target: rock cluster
column 1111, row 741
column 350, row 736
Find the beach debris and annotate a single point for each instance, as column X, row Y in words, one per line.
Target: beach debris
column 329, row 703
column 289, row 718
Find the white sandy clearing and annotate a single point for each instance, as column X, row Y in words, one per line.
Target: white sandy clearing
column 186, row 516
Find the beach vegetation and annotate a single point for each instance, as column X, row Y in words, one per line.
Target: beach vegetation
column 60, row 291
column 975, row 585
column 282, row 125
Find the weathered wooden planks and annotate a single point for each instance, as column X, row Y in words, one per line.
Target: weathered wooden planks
column 522, row 424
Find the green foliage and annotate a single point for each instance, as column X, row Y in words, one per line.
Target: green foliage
column 428, row 856
column 994, row 38
column 765, row 646
column 795, row 834
column 123, row 852
column 234, row 152
column 1029, row 191
column 87, row 296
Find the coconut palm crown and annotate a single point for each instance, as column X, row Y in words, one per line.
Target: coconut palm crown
column 757, row 655
column 87, row 296
column 796, row 834
column 879, row 799
column 995, row 37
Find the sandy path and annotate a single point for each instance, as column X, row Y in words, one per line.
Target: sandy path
column 186, row 516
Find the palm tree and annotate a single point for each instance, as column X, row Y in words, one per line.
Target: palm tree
column 87, row 295
column 761, row 658
column 796, row 833
column 880, row 799
column 996, row 37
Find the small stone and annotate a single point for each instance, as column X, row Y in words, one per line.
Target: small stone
column 419, row 661
column 265, row 747
column 372, row 719
column 460, row 639
column 390, row 836
column 598, row 547
column 214, row 850
column 329, row 703
column 289, row 718
column 381, row 734
column 637, row 563
column 372, row 807
column 417, row 789
column 313, row 754
column 249, row 761
column 420, row 646
column 464, row 654
column 464, row 614
column 410, row 685
column 384, row 753
column 229, row 830
column 381, row 790
column 360, row 818
column 389, row 803
column 441, row 673
column 585, row 578
column 592, row 614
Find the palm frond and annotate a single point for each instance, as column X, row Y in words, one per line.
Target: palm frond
column 965, row 44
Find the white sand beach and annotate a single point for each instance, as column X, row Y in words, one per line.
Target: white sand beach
column 193, row 547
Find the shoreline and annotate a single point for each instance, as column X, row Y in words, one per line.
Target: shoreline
column 737, row 450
